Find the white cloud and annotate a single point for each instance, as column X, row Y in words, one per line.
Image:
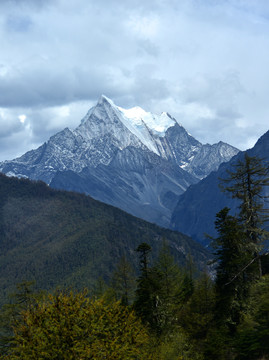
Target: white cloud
column 205, row 62
column 145, row 27
column 22, row 118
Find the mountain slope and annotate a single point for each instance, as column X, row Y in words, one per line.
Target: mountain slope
column 132, row 159
column 195, row 212
column 140, row 183
column 59, row 239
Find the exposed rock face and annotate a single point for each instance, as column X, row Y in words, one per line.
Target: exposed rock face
column 135, row 160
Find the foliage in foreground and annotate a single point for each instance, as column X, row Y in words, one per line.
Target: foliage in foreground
column 71, row 326
column 176, row 316
column 68, row 325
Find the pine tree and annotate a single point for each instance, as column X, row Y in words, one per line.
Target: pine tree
column 10, row 314
column 147, row 285
column 231, row 282
column 123, row 282
column 253, row 334
column 197, row 315
column 246, row 183
column 144, row 250
column 159, row 292
column 239, row 242
column 171, row 290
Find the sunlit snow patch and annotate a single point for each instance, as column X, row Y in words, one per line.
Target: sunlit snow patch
column 156, row 123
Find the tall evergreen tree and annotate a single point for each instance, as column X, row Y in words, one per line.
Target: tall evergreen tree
column 188, row 282
column 197, row 314
column 253, row 334
column 246, row 183
column 159, row 292
column 239, row 242
column 171, row 291
column 147, row 284
column 144, row 250
column 231, row 282
column 10, row 313
column 123, row 282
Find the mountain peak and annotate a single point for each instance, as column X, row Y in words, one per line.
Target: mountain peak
column 101, row 103
column 130, row 158
column 102, row 99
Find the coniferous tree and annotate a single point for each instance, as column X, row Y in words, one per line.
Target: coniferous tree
column 147, row 285
column 246, row 183
column 253, row 334
column 188, row 280
column 123, row 282
column 239, row 242
column 197, row 314
column 170, row 292
column 160, row 292
column 10, row 314
column 100, row 288
column 231, row 282
column 144, row 250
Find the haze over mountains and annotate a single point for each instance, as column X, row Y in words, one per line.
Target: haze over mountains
column 132, row 159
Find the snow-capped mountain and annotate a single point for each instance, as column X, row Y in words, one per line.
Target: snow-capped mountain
column 132, row 159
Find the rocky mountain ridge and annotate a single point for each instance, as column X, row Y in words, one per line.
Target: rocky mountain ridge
column 132, row 159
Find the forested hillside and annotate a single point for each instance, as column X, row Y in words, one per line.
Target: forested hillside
column 57, row 238
column 163, row 312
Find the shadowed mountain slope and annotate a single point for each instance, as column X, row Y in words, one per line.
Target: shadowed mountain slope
column 196, row 209
column 58, row 238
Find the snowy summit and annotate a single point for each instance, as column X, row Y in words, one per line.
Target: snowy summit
column 147, row 127
column 129, row 158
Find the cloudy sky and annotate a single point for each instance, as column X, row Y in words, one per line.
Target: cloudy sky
column 206, row 62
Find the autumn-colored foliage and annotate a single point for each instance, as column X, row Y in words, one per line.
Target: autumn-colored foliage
column 72, row 326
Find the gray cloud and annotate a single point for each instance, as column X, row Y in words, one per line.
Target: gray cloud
column 18, row 23
column 53, row 86
column 34, row 4
column 9, row 125
column 217, row 93
column 205, row 62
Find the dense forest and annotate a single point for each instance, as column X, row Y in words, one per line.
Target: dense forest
column 169, row 316
column 164, row 312
column 61, row 239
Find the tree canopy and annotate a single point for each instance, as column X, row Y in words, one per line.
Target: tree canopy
column 72, row 326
